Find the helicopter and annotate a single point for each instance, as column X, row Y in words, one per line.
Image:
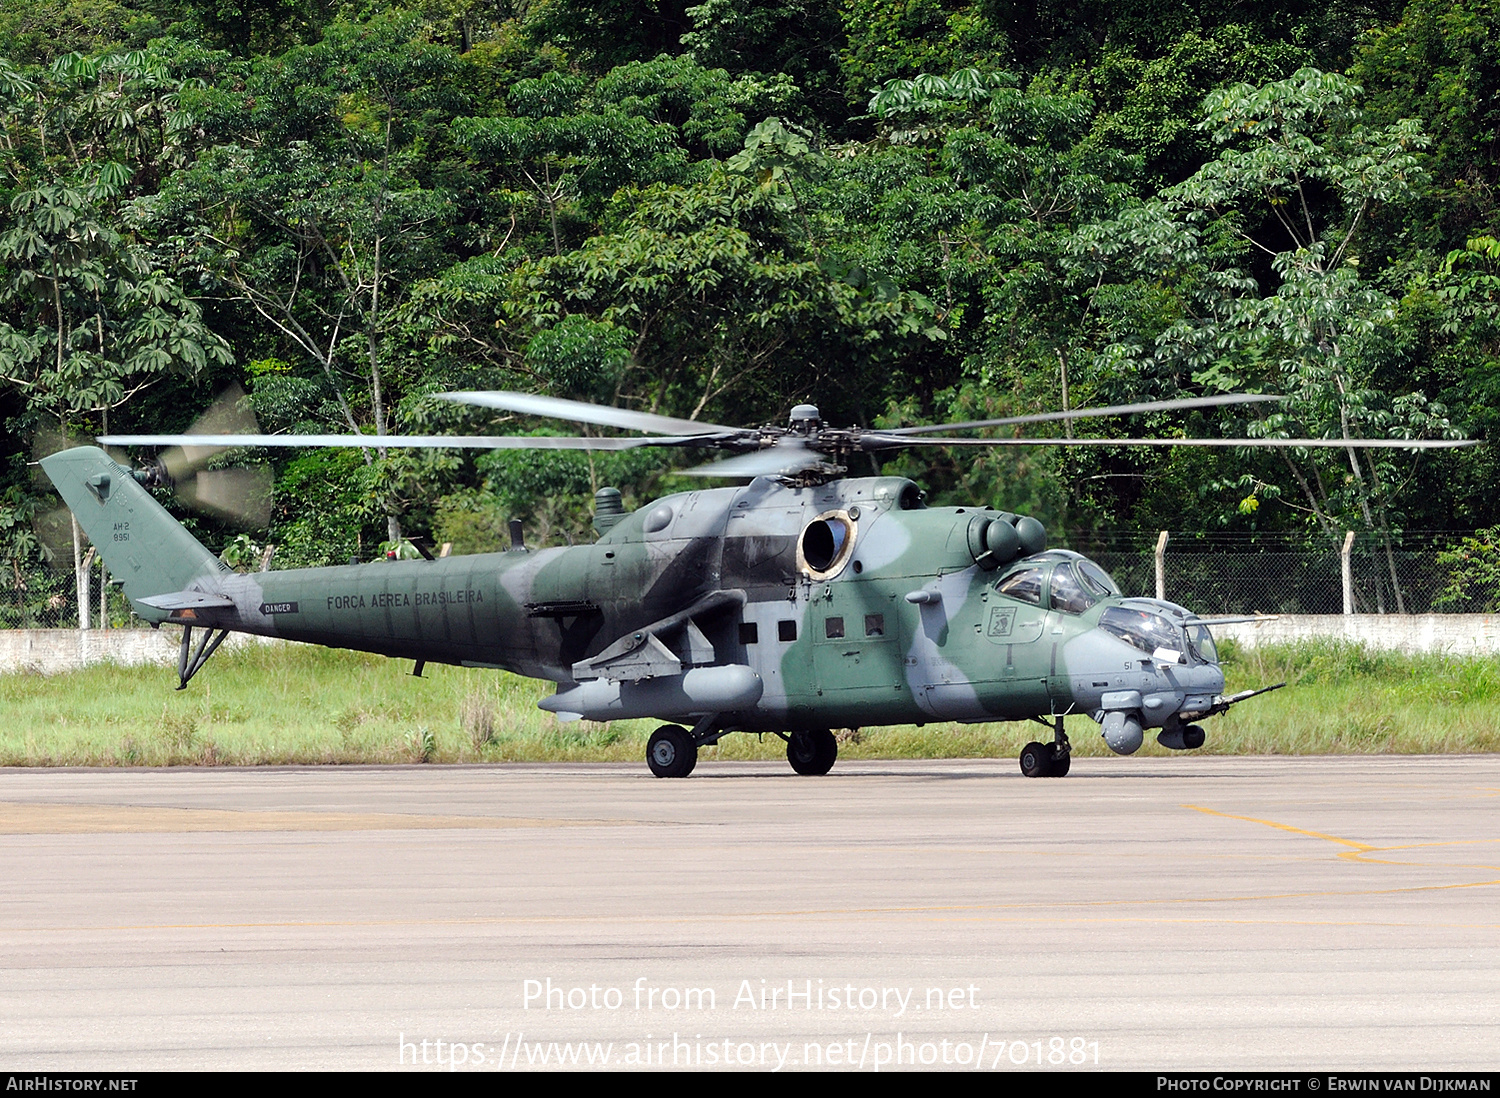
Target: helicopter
column 803, row 601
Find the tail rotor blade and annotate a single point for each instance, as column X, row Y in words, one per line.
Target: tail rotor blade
column 241, row 494
column 229, row 414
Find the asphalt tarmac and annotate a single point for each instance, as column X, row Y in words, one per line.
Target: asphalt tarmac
column 1181, row 914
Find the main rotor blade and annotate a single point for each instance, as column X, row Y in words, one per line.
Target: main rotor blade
column 375, row 442
column 1091, row 413
column 1275, row 443
column 581, row 412
column 784, row 458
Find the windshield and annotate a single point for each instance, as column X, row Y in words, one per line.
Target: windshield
column 1141, row 629
column 1201, row 641
column 1068, row 595
column 1097, row 578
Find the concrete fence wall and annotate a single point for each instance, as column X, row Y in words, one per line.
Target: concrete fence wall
column 50, row 651
column 1450, row 634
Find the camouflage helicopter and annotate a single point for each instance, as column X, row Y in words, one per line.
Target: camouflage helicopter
column 798, row 603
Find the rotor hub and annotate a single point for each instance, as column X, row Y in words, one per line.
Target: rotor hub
column 806, row 419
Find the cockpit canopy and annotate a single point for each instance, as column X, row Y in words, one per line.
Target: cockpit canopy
column 1141, row 628
column 1069, row 581
column 1149, row 630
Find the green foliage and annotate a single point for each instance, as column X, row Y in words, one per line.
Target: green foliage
column 1300, row 173
column 707, row 107
column 579, row 357
column 20, row 550
column 603, row 34
column 1151, row 106
column 1441, row 64
column 472, row 522
column 1024, row 481
column 797, row 41
column 900, row 39
column 257, row 26
column 1473, row 583
column 242, row 554
column 905, row 210
column 88, row 312
column 323, row 506
column 39, row 33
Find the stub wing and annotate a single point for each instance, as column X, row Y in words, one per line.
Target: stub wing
column 189, row 600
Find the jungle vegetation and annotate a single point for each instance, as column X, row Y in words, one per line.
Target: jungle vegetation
column 903, row 211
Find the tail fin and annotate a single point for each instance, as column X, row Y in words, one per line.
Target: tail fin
column 145, row 548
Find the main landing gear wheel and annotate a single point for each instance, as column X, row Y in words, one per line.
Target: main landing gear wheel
column 1036, row 760
column 812, row 752
column 671, row 752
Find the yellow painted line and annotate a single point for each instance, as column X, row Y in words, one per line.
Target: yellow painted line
column 1283, row 827
column 92, row 819
column 1358, row 852
column 1449, row 865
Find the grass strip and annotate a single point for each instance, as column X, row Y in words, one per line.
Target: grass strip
column 278, row 704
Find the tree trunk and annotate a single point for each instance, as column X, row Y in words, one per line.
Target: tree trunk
column 1062, row 361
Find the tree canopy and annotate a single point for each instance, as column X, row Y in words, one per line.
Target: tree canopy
column 901, row 210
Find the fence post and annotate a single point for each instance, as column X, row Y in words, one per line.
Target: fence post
column 85, row 592
column 1347, row 566
column 1161, row 565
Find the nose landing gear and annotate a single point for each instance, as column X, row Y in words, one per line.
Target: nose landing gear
column 1048, row 760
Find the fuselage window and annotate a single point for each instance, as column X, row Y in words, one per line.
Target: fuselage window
column 749, row 634
column 834, row 627
column 786, row 630
column 874, row 625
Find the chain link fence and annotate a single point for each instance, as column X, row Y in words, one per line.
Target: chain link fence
column 46, row 597
column 1426, row 572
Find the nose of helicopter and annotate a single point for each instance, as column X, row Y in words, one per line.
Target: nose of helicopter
column 1146, row 665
